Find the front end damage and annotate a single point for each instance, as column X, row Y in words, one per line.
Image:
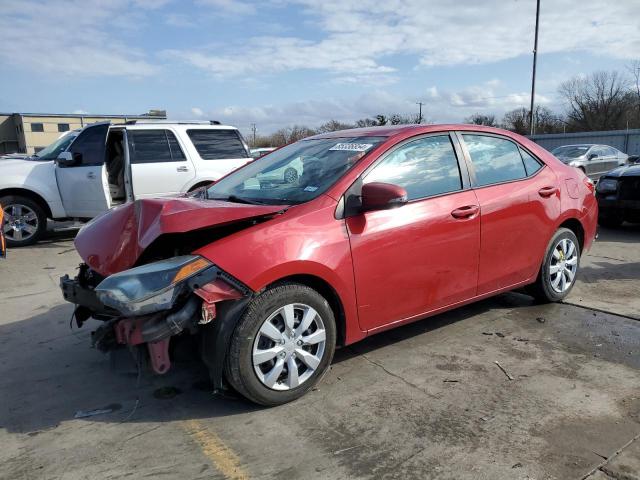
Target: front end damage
column 150, row 304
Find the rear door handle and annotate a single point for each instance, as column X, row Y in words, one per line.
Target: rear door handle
column 467, row 211
column 182, row 169
column 547, row 191
column 91, row 175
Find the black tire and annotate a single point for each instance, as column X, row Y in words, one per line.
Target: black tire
column 239, row 369
column 41, row 218
column 609, row 221
column 290, row 175
column 542, row 290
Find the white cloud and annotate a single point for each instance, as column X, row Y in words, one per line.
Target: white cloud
column 440, row 106
column 197, row 112
column 233, row 7
column 150, row 4
column 179, row 20
column 70, row 37
column 358, row 37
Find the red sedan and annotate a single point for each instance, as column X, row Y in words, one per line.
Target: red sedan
column 383, row 226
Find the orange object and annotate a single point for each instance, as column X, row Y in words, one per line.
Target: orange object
column 190, row 268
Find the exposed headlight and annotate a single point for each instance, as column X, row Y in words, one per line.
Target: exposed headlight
column 149, row 288
column 607, row 185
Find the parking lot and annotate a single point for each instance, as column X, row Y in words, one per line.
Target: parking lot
column 501, row 389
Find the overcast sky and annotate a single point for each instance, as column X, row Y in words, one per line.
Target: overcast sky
column 280, row 62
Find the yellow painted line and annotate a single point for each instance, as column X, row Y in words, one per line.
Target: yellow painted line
column 223, row 457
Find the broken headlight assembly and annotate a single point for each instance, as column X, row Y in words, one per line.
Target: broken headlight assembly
column 151, row 287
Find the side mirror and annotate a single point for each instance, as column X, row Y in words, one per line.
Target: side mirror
column 65, row 159
column 592, row 156
column 382, row 196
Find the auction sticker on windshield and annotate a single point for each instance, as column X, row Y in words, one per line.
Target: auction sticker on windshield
column 352, row 147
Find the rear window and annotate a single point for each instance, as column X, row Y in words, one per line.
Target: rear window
column 218, row 144
column 154, row 146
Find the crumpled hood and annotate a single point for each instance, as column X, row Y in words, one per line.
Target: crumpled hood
column 115, row 240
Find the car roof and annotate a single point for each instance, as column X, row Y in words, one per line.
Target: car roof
column 179, row 125
column 393, row 130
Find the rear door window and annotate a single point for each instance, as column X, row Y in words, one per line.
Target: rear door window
column 494, row 159
column 218, row 144
column 154, row 146
column 531, row 163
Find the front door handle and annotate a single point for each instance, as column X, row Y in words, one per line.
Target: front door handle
column 547, row 191
column 467, row 211
column 182, row 169
column 91, row 175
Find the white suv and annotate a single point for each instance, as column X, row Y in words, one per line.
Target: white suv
column 107, row 165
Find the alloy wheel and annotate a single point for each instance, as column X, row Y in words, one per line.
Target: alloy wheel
column 20, row 222
column 289, row 347
column 563, row 265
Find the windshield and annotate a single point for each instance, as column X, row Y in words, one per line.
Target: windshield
column 293, row 174
column 52, row 151
column 571, row 151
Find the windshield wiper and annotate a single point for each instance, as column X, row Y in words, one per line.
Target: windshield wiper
column 236, row 199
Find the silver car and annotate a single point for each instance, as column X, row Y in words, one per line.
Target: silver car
column 594, row 160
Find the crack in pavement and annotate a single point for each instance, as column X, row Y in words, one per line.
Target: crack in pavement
column 395, row 375
column 608, row 258
column 609, row 458
column 600, row 310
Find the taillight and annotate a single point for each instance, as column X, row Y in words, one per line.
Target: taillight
column 589, row 184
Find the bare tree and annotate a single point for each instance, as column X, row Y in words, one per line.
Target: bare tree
column 545, row 121
column 599, row 101
column 333, row 125
column 634, row 69
column 382, row 119
column 482, row 119
column 517, row 120
column 400, row 119
column 367, row 122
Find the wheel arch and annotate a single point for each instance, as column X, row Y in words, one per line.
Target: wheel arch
column 325, row 289
column 577, row 228
column 30, row 194
column 202, row 183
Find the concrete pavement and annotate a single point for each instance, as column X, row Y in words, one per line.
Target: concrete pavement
column 423, row 401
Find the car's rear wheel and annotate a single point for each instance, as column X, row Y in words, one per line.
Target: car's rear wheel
column 558, row 272
column 24, row 220
column 282, row 346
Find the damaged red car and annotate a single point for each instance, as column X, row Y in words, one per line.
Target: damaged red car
column 380, row 227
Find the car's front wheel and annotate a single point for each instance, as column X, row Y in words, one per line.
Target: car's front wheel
column 558, row 272
column 24, row 220
column 282, row 346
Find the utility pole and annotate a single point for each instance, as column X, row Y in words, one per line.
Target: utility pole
column 253, row 129
column 420, row 114
column 533, row 75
